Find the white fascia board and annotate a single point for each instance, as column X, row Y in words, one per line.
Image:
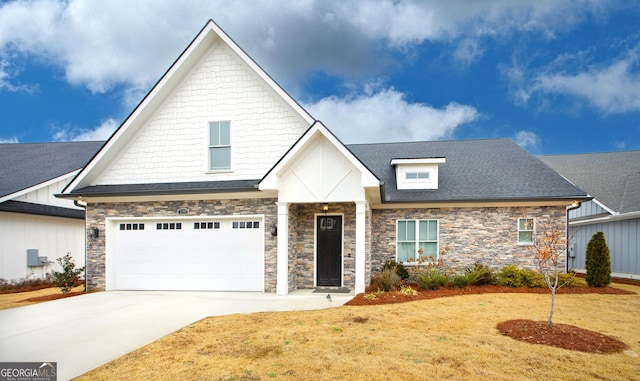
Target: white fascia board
column 603, row 206
column 270, row 181
column 38, row 186
column 172, row 77
column 434, row 160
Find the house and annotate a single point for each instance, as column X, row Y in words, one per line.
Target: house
column 36, row 227
column 220, row 180
column 613, row 179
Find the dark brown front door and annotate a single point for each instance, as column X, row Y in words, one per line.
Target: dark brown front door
column 329, row 250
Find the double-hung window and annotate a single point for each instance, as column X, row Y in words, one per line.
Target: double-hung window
column 417, row 239
column 525, row 231
column 219, row 146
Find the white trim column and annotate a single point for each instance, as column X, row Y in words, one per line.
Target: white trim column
column 282, row 267
column 361, row 210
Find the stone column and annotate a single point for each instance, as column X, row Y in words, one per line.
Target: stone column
column 361, row 209
column 282, row 277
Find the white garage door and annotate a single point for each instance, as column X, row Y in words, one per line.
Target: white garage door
column 187, row 254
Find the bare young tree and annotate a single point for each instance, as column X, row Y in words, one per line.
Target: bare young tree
column 547, row 249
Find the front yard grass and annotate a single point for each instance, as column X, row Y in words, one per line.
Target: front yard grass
column 453, row 338
column 20, row 299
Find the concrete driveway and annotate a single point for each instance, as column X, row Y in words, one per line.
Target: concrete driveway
column 84, row 332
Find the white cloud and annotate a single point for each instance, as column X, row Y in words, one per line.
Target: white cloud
column 12, row 139
column 102, row 132
column 7, row 72
column 527, row 139
column 386, row 115
column 612, row 89
column 103, row 44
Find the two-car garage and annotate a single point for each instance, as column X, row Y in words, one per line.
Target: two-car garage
column 186, row 253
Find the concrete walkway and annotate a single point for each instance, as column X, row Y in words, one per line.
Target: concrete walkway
column 83, row 332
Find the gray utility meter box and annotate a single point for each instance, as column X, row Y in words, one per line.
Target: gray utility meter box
column 34, row 260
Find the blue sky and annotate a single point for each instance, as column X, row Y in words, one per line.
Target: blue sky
column 555, row 76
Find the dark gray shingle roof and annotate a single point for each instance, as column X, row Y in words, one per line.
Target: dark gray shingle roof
column 613, row 178
column 475, row 170
column 40, row 209
column 169, row 188
column 23, row 165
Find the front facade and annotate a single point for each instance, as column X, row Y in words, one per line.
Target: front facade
column 220, row 181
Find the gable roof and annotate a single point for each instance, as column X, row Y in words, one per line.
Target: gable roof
column 25, row 165
column 207, row 36
column 613, row 178
column 475, row 171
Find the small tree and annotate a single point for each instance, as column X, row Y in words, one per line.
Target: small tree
column 547, row 249
column 598, row 262
column 66, row 279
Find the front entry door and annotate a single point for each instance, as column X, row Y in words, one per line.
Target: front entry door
column 329, row 250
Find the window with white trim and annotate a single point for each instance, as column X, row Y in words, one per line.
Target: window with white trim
column 219, row 146
column 416, row 240
column 525, row 231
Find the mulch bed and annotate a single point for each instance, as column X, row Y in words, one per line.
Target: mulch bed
column 561, row 336
column 47, row 298
column 398, row 297
column 535, row 332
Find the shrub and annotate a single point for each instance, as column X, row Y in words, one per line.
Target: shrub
column 482, row 274
column 512, row 276
column 69, row 276
column 568, row 280
column 25, row 284
column 432, row 279
column 386, row 279
column 461, row 281
column 397, row 267
column 408, row 290
column 598, row 262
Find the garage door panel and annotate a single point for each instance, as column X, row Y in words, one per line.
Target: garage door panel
column 222, row 259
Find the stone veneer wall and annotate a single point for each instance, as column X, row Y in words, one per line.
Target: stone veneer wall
column 484, row 235
column 96, row 214
column 293, row 247
column 304, row 236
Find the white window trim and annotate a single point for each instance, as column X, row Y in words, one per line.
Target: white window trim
column 533, row 231
column 418, row 240
column 209, row 146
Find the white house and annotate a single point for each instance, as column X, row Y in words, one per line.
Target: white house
column 220, row 180
column 35, row 226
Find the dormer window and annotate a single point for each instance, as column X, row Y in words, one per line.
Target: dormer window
column 417, row 173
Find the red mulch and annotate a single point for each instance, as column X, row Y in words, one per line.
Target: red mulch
column 536, row 332
column 47, row 298
column 398, row 297
column 561, row 336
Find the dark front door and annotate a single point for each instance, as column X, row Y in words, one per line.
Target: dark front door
column 329, row 250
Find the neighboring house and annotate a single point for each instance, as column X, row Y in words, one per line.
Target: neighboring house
column 36, row 227
column 613, row 179
column 219, row 180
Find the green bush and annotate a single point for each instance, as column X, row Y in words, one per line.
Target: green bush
column 462, row 280
column 69, row 276
column 432, row 279
column 386, row 279
column 480, row 275
column 513, row 276
column 598, row 262
column 397, row 267
column 568, row 280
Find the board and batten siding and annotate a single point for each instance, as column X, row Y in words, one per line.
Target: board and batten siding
column 172, row 145
column 623, row 239
column 586, row 209
column 54, row 237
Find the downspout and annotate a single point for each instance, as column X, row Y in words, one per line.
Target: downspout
column 574, row 205
column 83, row 205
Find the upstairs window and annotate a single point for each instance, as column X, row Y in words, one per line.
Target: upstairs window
column 418, row 175
column 219, row 146
column 525, row 231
